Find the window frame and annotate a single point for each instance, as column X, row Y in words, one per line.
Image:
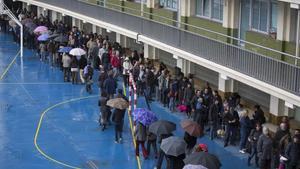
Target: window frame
column 165, row 6
column 269, row 17
column 210, row 8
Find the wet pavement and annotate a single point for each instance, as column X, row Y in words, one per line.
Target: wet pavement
column 45, row 123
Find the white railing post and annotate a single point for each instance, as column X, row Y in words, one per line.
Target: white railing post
column 6, row 10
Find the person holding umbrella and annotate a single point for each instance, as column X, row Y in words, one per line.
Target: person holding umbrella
column 174, row 148
column 140, row 134
column 192, row 131
column 120, row 106
column 163, row 129
column 204, row 159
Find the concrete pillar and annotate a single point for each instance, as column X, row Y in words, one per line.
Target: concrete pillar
column 53, row 16
column 284, row 21
column 150, row 52
column 152, row 3
column 123, row 40
column 278, row 107
column 25, row 5
column 185, row 65
column 231, row 13
column 227, row 84
column 118, row 38
column 39, row 11
column 73, row 21
column 94, row 28
column 188, row 8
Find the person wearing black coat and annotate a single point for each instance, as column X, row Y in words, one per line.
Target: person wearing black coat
column 191, row 141
column 118, row 119
column 104, row 109
column 231, row 120
column 265, row 149
column 253, row 138
column 161, row 153
column 174, row 162
column 213, row 117
column 82, row 63
column 292, row 153
column 259, row 116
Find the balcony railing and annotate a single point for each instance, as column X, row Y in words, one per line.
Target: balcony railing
column 264, row 68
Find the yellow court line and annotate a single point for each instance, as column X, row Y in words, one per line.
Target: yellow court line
column 8, row 67
column 132, row 133
column 39, row 126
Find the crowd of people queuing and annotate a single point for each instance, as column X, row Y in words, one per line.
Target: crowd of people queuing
column 224, row 119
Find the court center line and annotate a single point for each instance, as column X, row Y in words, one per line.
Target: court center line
column 132, row 132
column 8, row 67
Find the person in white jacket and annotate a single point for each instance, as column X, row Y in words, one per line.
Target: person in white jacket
column 127, row 66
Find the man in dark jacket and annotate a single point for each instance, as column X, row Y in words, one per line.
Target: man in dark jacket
column 259, row 116
column 118, row 118
column 110, row 86
column 231, row 119
column 293, row 153
column 253, row 138
column 265, row 149
column 281, row 138
column 213, row 117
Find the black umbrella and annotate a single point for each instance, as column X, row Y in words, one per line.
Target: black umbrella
column 173, row 146
column 61, row 39
column 205, row 159
column 162, row 127
column 54, row 35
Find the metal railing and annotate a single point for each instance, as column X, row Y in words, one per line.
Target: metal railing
column 6, row 11
column 275, row 72
column 183, row 25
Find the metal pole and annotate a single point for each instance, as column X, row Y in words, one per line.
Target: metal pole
column 297, row 38
column 21, row 41
column 178, row 13
column 142, row 8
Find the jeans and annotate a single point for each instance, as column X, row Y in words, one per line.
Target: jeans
column 172, row 103
column 230, row 134
column 66, row 73
column 118, row 131
column 153, row 144
column 244, row 136
column 253, row 154
column 160, row 159
column 212, row 131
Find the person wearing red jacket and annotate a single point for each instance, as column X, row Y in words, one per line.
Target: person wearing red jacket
column 115, row 62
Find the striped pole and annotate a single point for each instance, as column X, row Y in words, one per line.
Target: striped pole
column 130, row 95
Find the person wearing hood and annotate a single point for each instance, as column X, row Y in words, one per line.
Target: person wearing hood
column 127, row 67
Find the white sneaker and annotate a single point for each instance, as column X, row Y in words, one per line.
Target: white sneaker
column 242, row 151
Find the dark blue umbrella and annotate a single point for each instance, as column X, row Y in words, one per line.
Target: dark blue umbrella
column 65, row 49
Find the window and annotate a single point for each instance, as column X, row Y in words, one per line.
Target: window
column 264, row 16
column 139, row 1
column 212, row 9
column 217, row 12
column 168, row 3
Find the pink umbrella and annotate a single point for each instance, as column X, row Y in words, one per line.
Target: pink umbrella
column 40, row 29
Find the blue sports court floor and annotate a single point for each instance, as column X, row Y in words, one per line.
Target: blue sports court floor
column 47, row 124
